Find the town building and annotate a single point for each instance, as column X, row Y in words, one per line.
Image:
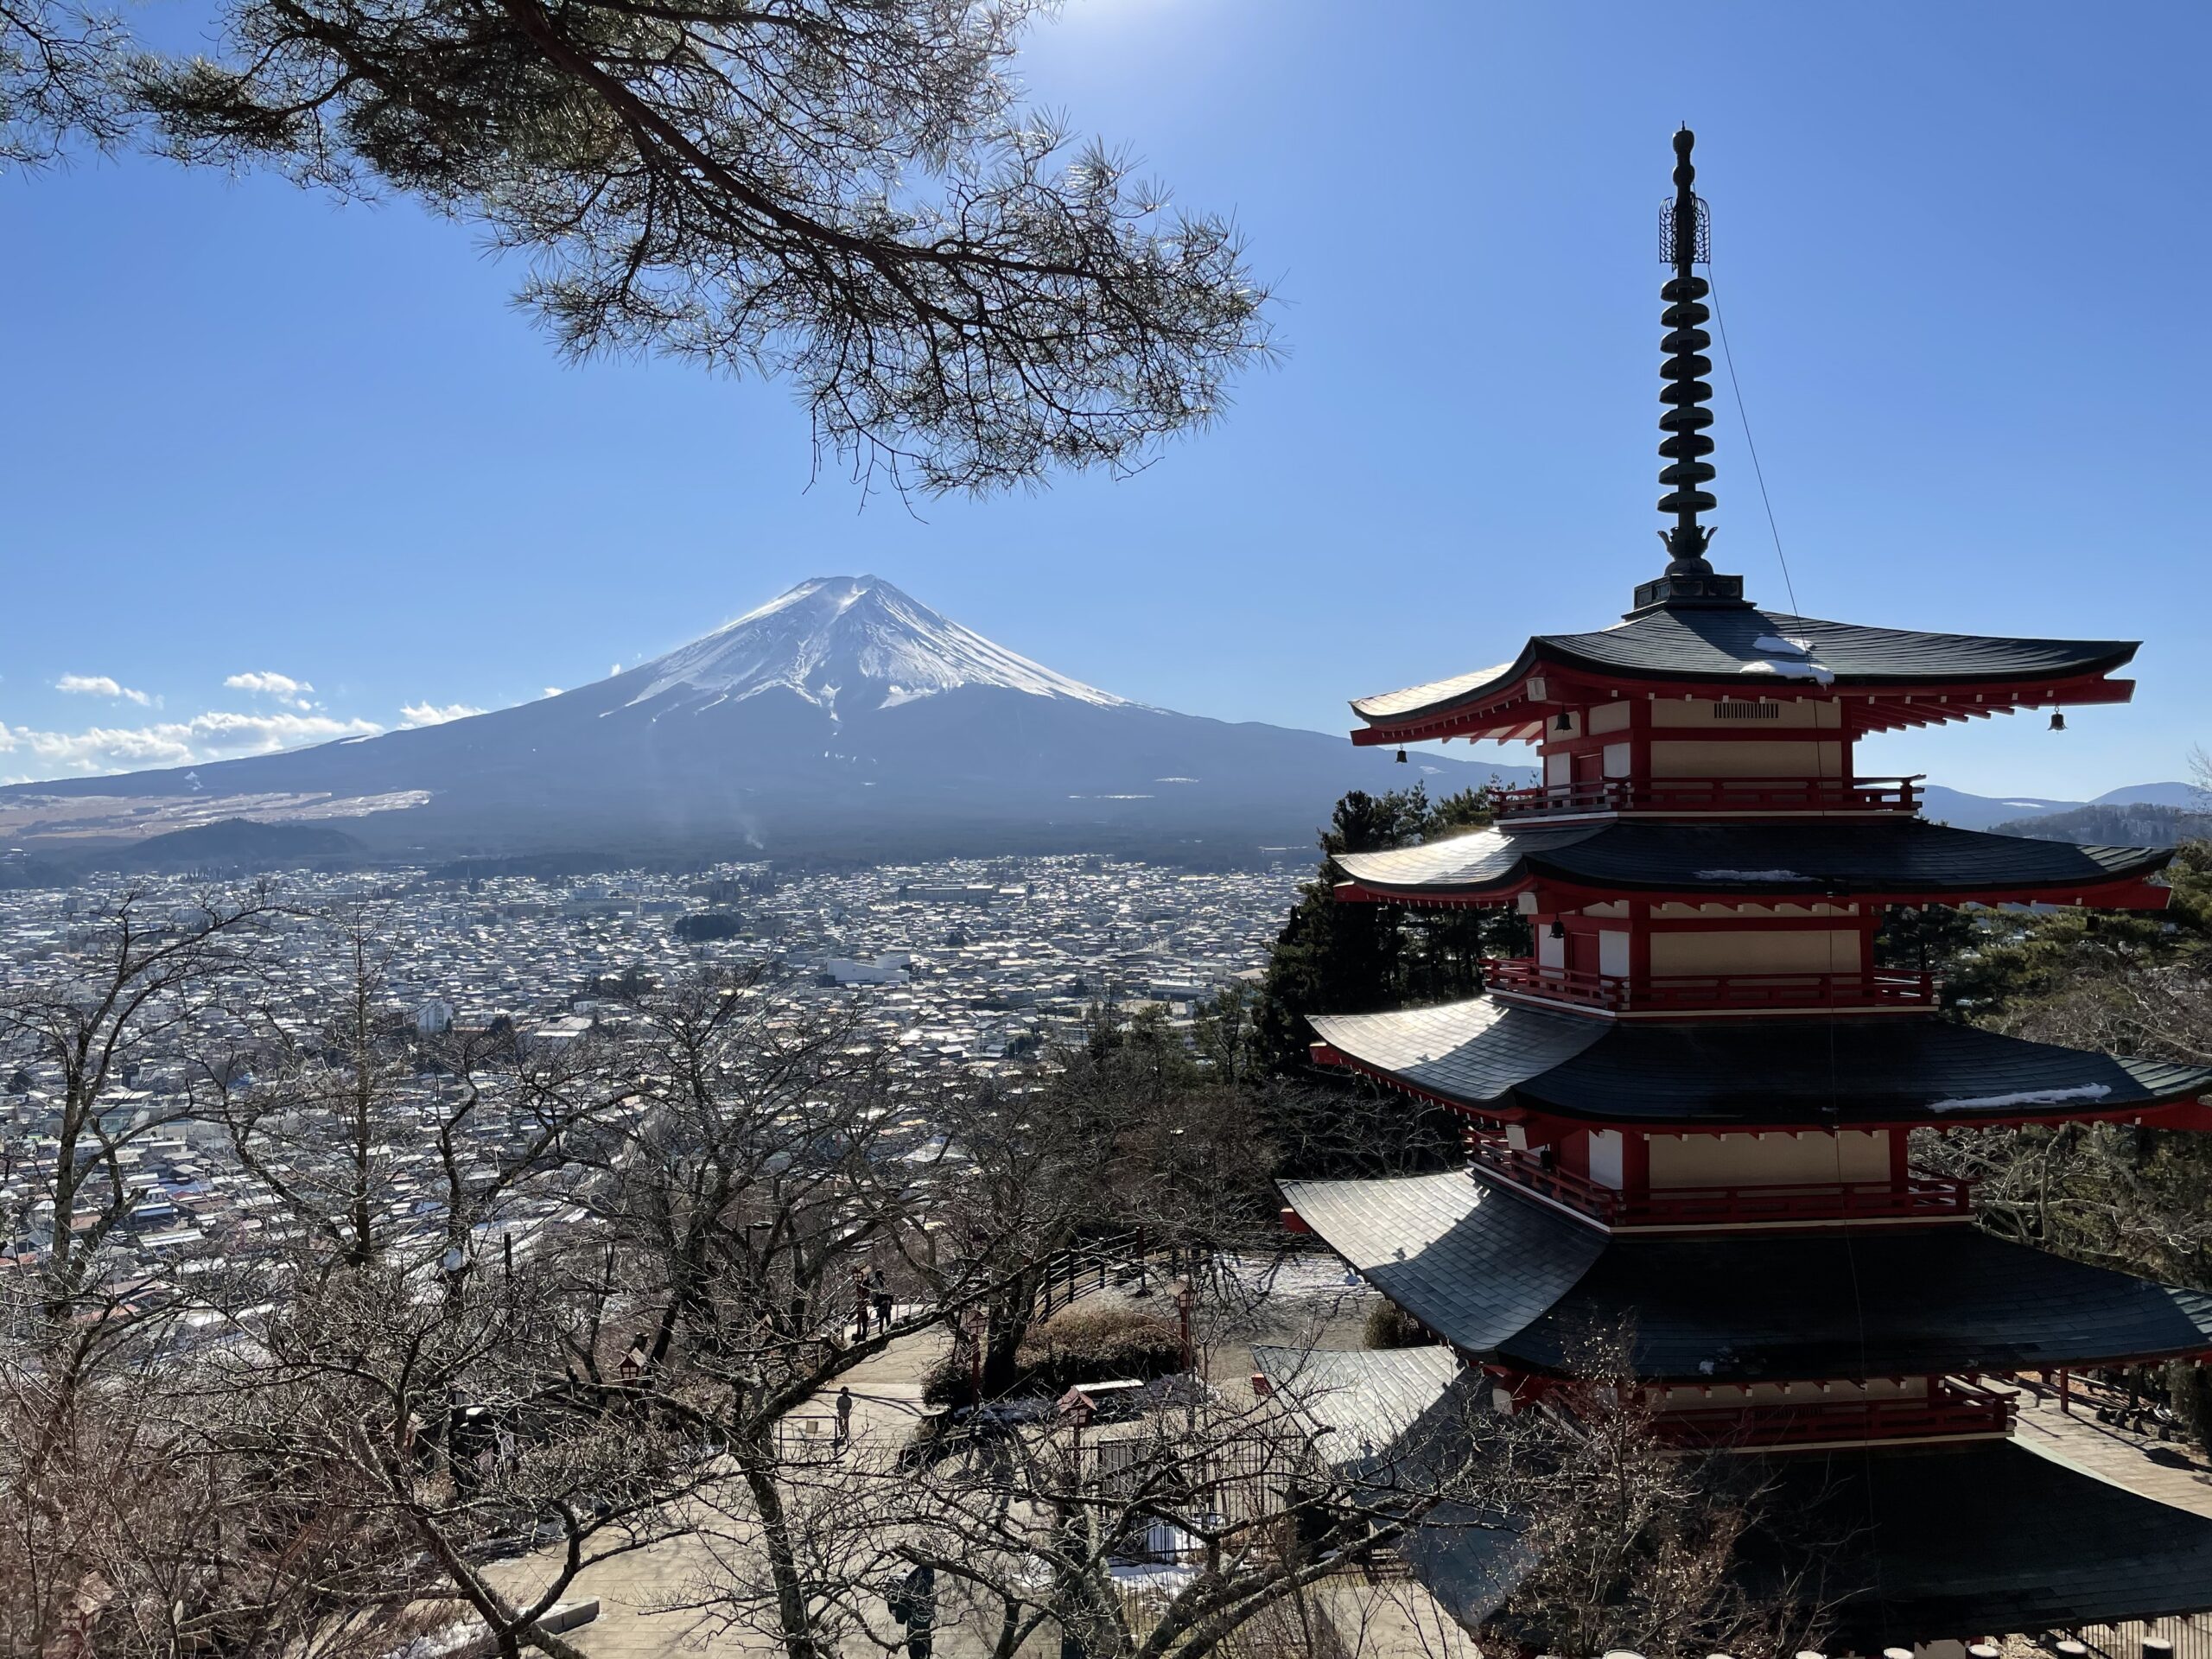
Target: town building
column 1689, row 1110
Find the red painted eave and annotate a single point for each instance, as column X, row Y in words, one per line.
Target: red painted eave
column 2130, row 893
column 1499, row 714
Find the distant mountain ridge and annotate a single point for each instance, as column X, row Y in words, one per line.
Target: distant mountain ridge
column 2124, row 823
column 844, row 717
column 2009, row 813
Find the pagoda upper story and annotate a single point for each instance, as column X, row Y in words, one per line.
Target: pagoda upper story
column 1659, row 712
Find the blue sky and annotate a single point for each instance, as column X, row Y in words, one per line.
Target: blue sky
column 1961, row 252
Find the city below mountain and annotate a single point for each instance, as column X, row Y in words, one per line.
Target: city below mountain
column 844, row 719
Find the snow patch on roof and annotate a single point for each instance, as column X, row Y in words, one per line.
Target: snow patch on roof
column 1789, row 670
column 2086, row 1091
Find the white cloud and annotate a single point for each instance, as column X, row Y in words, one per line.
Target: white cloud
column 552, row 690
column 428, row 714
column 215, row 735
column 268, row 685
column 101, row 685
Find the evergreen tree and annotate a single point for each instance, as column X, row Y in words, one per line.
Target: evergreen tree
column 1357, row 958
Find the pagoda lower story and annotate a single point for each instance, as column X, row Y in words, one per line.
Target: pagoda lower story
column 1690, row 1108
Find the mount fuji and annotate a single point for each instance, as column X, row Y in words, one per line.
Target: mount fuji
column 836, row 634
column 843, row 717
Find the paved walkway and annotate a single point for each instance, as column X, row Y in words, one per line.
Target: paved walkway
column 641, row 1595
column 2169, row 1470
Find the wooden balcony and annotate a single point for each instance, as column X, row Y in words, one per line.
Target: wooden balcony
column 1917, row 1198
column 1717, row 795
column 1870, row 987
column 1953, row 1409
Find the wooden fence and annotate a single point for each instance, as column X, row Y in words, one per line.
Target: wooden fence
column 2191, row 1638
column 1123, row 1259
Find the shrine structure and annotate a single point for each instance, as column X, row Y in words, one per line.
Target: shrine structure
column 1690, row 1112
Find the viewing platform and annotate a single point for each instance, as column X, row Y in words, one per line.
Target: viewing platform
column 1917, row 1198
column 1709, row 797
column 1873, row 989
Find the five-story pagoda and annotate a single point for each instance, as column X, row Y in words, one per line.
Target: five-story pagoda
column 1690, row 1109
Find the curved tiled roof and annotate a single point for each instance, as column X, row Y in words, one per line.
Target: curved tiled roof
column 2047, row 1546
column 1414, row 699
column 1880, row 1541
column 1499, row 1275
column 1472, row 1264
column 1737, row 645
column 1484, row 1054
column 1812, row 858
column 1362, row 1402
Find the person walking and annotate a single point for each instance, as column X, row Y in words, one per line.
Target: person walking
column 844, row 1418
column 878, row 1288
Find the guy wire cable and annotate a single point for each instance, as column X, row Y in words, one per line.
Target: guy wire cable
column 1744, row 420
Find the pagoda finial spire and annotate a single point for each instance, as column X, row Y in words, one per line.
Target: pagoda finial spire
column 1687, row 392
column 1685, row 241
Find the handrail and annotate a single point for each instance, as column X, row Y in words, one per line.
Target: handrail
column 1616, row 994
column 1949, row 1408
column 1915, row 1198
column 1888, row 794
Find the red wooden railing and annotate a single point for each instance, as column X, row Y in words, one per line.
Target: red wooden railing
column 1713, row 795
column 1920, row 1197
column 1951, row 1406
column 1709, row 993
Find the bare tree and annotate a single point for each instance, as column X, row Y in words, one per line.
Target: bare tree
column 751, row 1189
column 85, row 1322
column 840, row 193
column 145, row 972
column 1629, row 1541
column 424, row 1419
column 309, row 1111
column 2114, row 1193
column 317, row 1116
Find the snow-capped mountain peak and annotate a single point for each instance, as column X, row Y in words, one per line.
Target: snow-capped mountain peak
column 850, row 644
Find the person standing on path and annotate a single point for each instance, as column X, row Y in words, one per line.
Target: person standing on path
column 844, row 1418
column 879, row 1290
column 860, row 1304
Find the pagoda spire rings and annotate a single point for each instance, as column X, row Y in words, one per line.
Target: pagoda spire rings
column 1686, row 235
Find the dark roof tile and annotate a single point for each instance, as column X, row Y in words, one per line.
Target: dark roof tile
column 1484, row 1053
column 1813, row 858
column 1495, row 1274
column 1725, row 644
